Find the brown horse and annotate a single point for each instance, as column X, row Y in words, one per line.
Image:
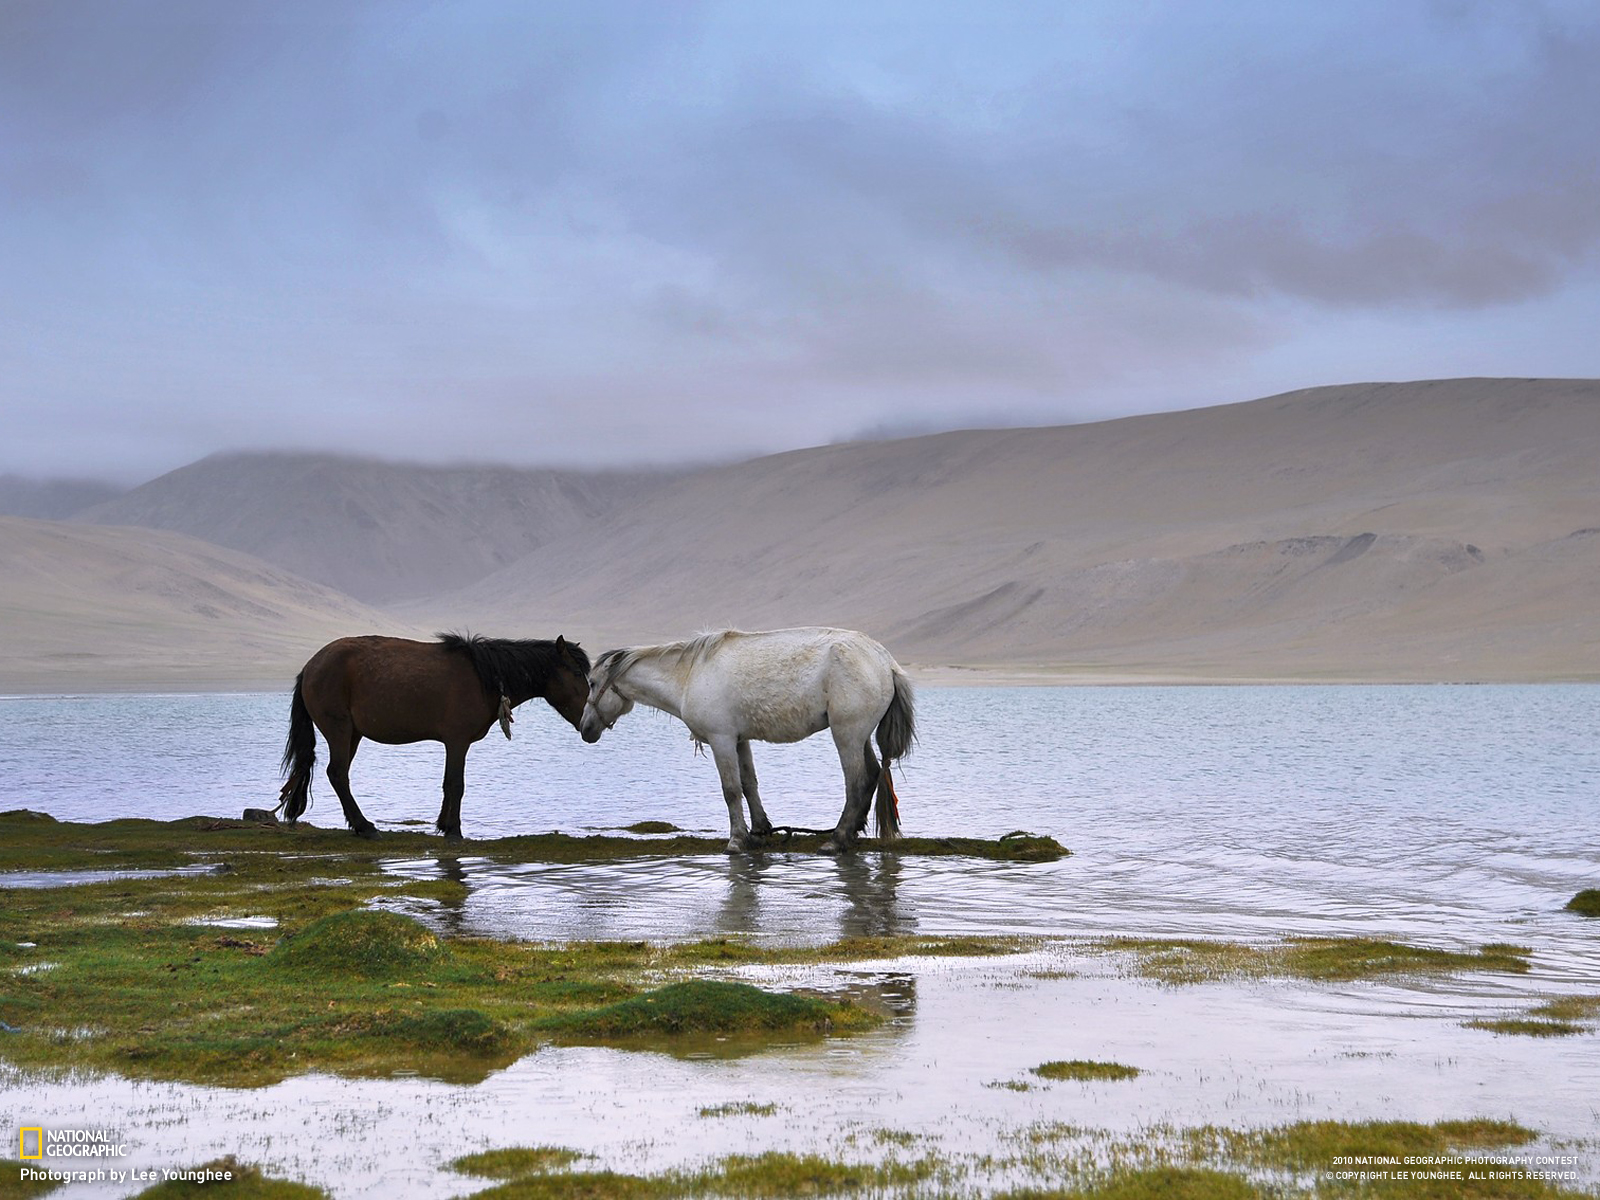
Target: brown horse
column 397, row 691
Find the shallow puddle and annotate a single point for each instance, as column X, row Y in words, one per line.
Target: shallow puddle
column 75, row 878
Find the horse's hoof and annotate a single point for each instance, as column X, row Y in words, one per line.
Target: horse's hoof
column 832, row 846
column 737, row 846
column 367, row 832
column 762, row 830
column 453, row 835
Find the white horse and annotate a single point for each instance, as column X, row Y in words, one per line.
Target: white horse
column 780, row 686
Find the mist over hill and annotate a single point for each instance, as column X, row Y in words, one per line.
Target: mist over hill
column 51, row 499
column 379, row 531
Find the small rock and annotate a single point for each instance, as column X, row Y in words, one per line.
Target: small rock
column 261, row 816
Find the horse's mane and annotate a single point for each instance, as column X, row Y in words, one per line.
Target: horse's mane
column 690, row 652
column 504, row 666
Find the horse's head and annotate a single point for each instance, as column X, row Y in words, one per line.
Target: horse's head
column 604, row 704
column 567, row 687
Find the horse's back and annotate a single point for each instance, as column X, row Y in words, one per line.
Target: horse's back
column 393, row 689
column 783, row 685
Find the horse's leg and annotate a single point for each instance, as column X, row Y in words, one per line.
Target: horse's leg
column 341, row 750
column 860, row 777
column 726, row 753
column 455, row 784
column 759, row 825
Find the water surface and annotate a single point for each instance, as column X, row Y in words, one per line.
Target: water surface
column 1448, row 816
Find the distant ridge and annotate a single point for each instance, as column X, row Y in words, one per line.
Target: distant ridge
column 51, row 499
column 1427, row 530
column 379, row 531
column 97, row 609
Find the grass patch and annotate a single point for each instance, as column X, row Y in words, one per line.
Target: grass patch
column 1085, row 1070
column 739, row 1108
column 652, row 827
column 247, row 1183
column 1569, row 1008
column 1292, row 1162
column 703, row 1006
column 1561, row 1017
column 1313, row 1145
column 1155, row 1183
column 14, row 1187
column 1526, row 1026
column 368, row 944
column 1318, row 959
column 35, row 841
column 580, row 1185
column 1586, row 903
column 515, row 1162
column 775, row 1173
column 779, row 1173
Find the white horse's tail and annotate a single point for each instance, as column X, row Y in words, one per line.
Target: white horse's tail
column 896, row 731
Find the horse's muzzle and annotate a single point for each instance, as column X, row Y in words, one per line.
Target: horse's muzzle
column 591, row 732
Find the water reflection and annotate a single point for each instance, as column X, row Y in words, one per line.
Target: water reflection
column 782, row 898
column 870, row 888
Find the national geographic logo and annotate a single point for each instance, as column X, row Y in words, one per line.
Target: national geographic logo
column 36, row 1143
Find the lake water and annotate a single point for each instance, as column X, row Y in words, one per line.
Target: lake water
column 1451, row 816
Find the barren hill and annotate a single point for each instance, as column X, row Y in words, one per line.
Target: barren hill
column 1432, row 530
column 95, row 608
column 379, row 531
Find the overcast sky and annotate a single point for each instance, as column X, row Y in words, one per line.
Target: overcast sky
column 626, row 232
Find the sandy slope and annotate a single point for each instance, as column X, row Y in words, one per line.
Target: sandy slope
column 1415, row 530
column 91, row 608
column 378, row 531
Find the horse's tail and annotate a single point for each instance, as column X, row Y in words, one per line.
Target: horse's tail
column 299, row 755
column 896, row 731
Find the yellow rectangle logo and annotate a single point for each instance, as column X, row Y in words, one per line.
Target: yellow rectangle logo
column 38, row 1143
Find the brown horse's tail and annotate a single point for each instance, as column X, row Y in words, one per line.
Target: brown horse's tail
column 299, row 756
column 896, row 731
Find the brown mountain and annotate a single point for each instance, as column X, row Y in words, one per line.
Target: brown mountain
column 1432, row 530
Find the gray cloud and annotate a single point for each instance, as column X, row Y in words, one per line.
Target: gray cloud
column 622, row 232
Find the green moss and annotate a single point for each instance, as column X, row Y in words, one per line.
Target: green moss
column 248, row 1183
column 516, row 1162
column 453, row 1031
column 13, row 1186
column 1085, row 1069
column 1322, row 959
column 1586, row 903
column 704, row 1007
column 372, row 945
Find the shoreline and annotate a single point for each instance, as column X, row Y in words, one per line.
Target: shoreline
column 922, row 676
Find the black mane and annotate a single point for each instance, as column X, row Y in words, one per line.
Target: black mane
column 507, row 667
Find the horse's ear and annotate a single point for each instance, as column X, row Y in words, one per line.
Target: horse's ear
column 561, row 642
